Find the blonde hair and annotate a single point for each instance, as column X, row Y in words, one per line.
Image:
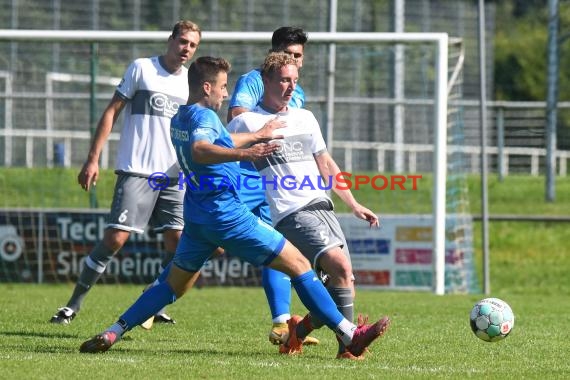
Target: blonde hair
column 275, row 61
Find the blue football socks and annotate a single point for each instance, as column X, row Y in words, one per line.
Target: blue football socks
column 317, row 299
column 147, row 305
column 277, row 286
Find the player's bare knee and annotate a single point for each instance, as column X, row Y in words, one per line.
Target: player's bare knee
column 342, row 277
column 345, row 274
column 115, row 239
column 298, row 264
column 337, row 266
column 171, row 238
column 298, row 261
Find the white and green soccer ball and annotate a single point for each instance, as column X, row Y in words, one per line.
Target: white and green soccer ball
column 492, row 319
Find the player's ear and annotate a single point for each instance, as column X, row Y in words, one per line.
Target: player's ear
column 207, row 87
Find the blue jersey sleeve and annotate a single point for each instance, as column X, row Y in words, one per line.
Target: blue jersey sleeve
column 206, row 128
column 248, row 91
column 298, row 98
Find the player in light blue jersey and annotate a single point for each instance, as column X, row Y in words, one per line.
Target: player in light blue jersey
column 216, row 217
column 248, row 91
column 248, row 94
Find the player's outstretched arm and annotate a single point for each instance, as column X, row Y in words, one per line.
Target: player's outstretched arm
column 264, row 134
column 329, row 169
column 204, row 152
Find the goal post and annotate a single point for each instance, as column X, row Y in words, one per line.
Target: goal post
column 437, row 89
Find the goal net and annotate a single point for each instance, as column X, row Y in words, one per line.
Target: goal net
column 386, row 103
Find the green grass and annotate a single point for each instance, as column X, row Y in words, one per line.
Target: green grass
column 521, row 194
column 221, row 334
column 527, row 257
column 51, row 188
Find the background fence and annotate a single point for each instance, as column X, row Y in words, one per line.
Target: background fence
column 516, row 142
column 46, row 117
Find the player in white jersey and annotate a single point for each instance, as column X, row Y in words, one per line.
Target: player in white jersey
column 247, row 94
column 150, row 93
column 295, row 178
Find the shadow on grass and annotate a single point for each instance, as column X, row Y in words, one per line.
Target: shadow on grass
column 131, row 347
column 30, row 334
column 127, row 345
column 44, row 347
column 210, row 351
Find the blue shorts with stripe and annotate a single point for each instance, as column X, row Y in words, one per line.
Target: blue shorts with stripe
column 247, row 237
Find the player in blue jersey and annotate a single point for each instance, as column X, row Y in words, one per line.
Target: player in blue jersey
column 215, row 217
column 248, row 90
column 248, row 93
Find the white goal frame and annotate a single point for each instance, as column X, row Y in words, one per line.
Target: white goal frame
column 440, row 102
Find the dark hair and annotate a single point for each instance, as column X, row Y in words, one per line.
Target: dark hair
column 205, row 69
column 184, row 26
column 275, row 61
column 287, row 35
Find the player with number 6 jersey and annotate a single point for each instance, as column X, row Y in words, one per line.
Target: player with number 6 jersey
column 150, row 92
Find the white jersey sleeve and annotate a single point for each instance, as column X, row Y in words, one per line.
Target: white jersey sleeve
column 128, row 86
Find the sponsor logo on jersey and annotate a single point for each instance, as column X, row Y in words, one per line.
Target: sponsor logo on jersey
column 155, row 104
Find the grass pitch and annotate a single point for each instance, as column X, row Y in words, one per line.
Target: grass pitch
column 221, row 333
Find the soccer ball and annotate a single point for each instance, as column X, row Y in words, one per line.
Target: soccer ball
column 492, row 319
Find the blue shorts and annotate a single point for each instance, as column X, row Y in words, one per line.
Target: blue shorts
column 262, row 211
column 248, row 238
column 254, row 199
